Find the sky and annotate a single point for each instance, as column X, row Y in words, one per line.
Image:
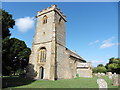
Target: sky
column 91, row 27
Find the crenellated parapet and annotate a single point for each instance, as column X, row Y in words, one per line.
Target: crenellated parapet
column 49, row 9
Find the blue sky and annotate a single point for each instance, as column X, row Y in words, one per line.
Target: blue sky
column 91, row 27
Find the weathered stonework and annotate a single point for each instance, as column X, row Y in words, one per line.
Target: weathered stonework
column 61, row 63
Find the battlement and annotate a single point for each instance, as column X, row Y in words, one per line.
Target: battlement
column 49, row 9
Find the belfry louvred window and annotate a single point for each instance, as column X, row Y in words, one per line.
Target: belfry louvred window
column 45, row 19
column 42, row 55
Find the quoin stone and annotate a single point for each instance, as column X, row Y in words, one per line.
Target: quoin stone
column 50, row 59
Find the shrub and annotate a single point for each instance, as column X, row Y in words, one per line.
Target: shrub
column 77, row 75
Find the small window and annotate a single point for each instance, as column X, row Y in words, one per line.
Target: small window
column 45, row 19
column 43, row 33
column 60, row 19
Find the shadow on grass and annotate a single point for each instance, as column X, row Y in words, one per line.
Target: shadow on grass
column 15, row 81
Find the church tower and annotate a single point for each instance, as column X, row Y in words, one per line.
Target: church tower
column 47, row 59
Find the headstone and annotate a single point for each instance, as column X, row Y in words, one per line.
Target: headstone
column 114, row 74
column 109, row 73
column 115, row 80
column 99, row 75
column 95, row 74
column 110, row 76
column 102, row 84
column 102, row 74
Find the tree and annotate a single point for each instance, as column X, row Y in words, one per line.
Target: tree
column 23, row 57
column 101, row 69
column 114, row 60
column 7, row 22
column 100, row 65
column 18, row 55
column 15, row 53
column 113, row 65
column 95, row 70
column 5, row 62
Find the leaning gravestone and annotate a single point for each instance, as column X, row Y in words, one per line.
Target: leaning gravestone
column 102, row 84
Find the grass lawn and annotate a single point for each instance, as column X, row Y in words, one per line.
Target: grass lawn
column 17, row 82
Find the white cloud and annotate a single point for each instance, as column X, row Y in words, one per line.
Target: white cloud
column 108, row 43
column 25, row 24
column 91, row 43
column 96, row 62
column 96, row 41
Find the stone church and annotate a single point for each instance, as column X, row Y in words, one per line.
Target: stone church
column 50, row 59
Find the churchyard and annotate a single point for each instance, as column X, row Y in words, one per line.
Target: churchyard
column 15, row 55
column 78, row 82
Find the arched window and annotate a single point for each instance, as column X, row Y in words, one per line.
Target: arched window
column 43, row 54
column 45, row 19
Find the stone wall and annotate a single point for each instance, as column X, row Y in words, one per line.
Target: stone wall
column 35, row 60
column 52, row 36
column 43, row 38
column 84, row 71
column 60, row 46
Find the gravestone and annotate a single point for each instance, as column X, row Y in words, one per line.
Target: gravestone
column 95, row 74
column 99, row 75
column 102, row 84
column 115, row 80
column 102, row 74
column 110, row 75
column 114, row 74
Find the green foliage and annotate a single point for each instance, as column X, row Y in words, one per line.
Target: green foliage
column 7, row 22
column 100, row 65
column 114, row 60
column 101, row 69
column 113, row 65
column 95, row 70
column 77, row 75
column 6, row 63
column 15, row 53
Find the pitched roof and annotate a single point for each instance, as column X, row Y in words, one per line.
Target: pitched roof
column 75, row 55
column 83, row 65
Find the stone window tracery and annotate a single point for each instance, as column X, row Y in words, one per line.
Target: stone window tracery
column 42, row 55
